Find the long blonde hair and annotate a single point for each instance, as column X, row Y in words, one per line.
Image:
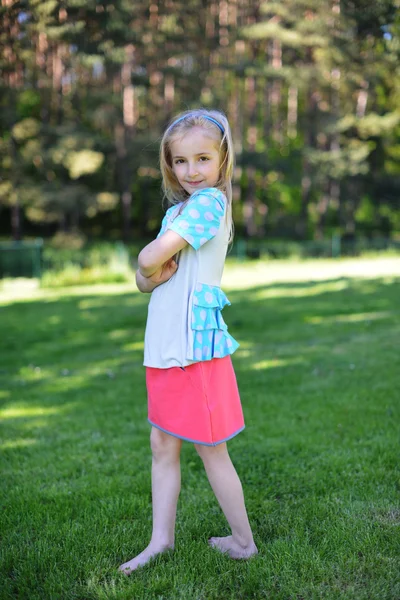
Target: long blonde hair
column 173, row 191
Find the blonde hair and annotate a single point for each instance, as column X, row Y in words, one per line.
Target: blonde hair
column 204, row 119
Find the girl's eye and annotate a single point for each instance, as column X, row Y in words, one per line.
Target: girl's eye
column 204, row 158
column 178, row 161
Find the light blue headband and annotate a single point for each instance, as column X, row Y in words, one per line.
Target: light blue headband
column 205, row 116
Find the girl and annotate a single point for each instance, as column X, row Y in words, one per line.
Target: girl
column 191, row 385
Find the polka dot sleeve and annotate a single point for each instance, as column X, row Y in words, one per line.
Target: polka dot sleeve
column 201, row 218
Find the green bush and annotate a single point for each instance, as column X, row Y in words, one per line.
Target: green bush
column 88, row 256
column 86, row 265
column 76, row 275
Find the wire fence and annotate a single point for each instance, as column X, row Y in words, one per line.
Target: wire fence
column 21, row 259
column 33, row 258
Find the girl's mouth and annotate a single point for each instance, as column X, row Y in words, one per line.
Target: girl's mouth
column 194, row 182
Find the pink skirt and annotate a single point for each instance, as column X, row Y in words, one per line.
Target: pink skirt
column 199, row 403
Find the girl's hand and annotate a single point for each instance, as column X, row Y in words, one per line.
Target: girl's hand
column 165, row 272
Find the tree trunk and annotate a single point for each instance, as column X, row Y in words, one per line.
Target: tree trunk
column 292, row 111
column 249, row 206
column 123, row 135
column 16, row 227
column 306, row 178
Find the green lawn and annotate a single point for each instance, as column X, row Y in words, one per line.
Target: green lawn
column 319, row 374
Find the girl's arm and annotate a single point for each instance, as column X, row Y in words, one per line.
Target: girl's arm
column 165, row 272
column 157, row 253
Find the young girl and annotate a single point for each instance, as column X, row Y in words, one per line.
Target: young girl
column 191, row 385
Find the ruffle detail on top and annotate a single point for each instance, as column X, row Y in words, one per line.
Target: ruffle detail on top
column 210, row 332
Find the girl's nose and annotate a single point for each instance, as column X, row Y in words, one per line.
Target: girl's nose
column 192, row 170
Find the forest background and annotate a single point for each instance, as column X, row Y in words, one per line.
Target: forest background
column 312, row 90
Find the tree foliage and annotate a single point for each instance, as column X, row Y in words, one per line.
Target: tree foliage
column 312, row 90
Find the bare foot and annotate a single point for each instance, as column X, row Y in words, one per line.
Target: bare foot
column 231, row 547
column 141, row 559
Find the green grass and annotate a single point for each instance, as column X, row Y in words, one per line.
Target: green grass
column 319, row 374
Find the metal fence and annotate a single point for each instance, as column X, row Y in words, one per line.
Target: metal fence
column 21, row 259
column 31, row 259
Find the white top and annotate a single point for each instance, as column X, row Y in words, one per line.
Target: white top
column 184, row 323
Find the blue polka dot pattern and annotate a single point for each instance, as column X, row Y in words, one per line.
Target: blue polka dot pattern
column 199, row 219
column 210, row 333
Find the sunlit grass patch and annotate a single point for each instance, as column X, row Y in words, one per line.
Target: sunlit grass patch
column 351, row 318
column 22, row 443
column 28, row 411
column 273, row 363
column 299, row 292
column 134, row 346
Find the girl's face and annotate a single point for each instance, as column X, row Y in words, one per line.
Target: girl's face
column 195, row 160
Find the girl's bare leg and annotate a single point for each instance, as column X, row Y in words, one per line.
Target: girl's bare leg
column 227, row 487
column 166, row 485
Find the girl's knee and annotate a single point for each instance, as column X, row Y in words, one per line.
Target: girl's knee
column 210, row 452
column 164, row 445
